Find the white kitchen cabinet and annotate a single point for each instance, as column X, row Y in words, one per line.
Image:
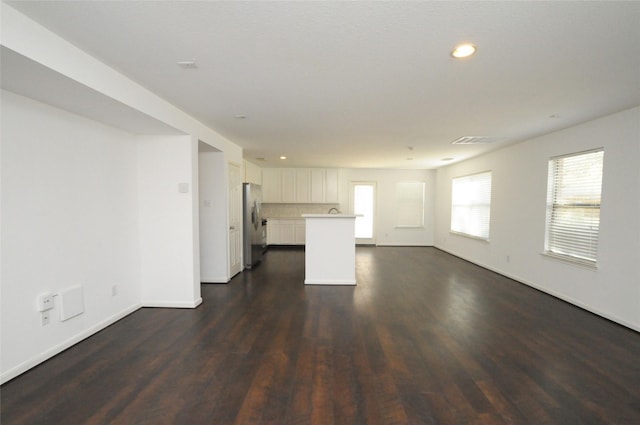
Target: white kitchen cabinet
column 288, row 185
column 300, row 185
column 273, row 232
column 272, row 185
column 303, row 186
column 285, row 231
column 299, row 230
column 332, row 182
column 318, row 176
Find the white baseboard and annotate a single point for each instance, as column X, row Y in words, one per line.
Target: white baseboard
column 329, row 282
column 221, row 279
column 172, row 304
column 560, row 296
column 36, row 360
column 402, row 244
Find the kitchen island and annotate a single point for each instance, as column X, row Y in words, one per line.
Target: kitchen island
column 330, row 251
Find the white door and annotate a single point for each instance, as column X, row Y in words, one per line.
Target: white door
column 235, row 219
column 362, row 201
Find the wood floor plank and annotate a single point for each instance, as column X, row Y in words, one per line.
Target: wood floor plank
column 424, row 338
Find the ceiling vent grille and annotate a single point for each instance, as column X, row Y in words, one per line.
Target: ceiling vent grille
column 474, row 140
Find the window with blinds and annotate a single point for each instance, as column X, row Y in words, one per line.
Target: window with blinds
column 573, row 206
column 471, row 205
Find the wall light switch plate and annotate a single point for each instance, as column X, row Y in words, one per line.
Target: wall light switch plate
column 183, row 187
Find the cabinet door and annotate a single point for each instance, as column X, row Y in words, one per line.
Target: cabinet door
column 274, row 232
column 317, row 185
column 303, row 192
column 299, row 231
column 288, row 185
column 332, row 182
column 271, row 185
column 287, row 232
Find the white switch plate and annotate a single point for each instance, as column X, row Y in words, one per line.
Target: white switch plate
column 183, row 187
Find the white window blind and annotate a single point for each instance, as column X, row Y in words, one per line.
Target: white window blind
column 410, row 204
column 471, row 205
column 573, row 206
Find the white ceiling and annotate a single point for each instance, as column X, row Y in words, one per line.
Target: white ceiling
column 355, row 84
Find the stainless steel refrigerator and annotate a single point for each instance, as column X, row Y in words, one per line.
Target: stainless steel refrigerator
column 254, row 232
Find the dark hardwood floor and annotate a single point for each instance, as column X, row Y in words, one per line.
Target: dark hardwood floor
column 425, row 338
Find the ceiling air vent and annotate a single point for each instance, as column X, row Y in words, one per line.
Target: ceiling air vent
column 474, row 140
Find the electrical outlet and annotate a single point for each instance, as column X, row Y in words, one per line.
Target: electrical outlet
column 114, row 290
column 45, row 301
column 508, row 258
column 45, row 318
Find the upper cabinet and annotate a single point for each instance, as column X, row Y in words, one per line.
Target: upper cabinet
column 303, row 185
column 288, row 185
column 318, row 183
column 272, row 185
column 300, row 185
column 252, row 173
column 332, row 182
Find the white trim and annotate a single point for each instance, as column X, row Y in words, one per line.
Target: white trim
column 468, row 235
column 416, row 244
column 329, row 282
column 558, row 295
column 219, row 279
column 172, row 304
column 46, row 355
column 567, row 259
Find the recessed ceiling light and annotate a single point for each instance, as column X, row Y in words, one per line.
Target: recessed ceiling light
column 463, row 51
column 187, row 64
column 283, row 157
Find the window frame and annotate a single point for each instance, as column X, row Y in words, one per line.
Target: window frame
column 486, row 203
column 555, row 205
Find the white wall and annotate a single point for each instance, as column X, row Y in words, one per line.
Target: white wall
column 386, row 231
column 518, row 205
column 69, row 216
column 151, row 244
column 28, row 38
column 214, row 258
column 170, row 274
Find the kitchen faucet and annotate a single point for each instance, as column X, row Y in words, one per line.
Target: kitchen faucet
column 334, row 211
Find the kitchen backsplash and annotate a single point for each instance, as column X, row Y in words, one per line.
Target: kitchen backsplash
column 295, row 210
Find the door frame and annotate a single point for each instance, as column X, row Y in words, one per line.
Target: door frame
column 352, row 184
column 234, row 212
